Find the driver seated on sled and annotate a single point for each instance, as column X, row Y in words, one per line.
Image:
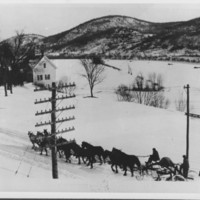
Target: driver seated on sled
column 154, row 157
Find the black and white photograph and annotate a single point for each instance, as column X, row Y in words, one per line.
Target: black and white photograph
column 100, row 99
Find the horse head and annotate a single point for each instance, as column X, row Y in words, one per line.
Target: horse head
column 72, row 141
column 84, row 144
column 46, row 133
column 106, row 154
column 116, row 150
column 39, row 134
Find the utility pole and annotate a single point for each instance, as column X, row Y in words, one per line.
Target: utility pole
column 188, row 120
column 53, row 131
column 54, row 121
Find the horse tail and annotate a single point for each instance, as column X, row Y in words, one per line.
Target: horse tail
column 138, row 162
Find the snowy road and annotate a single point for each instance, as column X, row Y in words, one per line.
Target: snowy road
column 101, row 121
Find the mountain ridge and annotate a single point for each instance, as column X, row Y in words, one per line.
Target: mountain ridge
column 124, row 37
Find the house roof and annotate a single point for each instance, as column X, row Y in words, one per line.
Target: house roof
column 45, row 58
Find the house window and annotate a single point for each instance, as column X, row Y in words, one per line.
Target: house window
column 44, row 65
column 39, row 77
column 47, row 76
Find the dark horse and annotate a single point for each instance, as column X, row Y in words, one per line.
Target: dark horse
column 93, row 151
column 72, row 148
column 64, row 146
column 79, row 152
column 60, row 144
column 45, row 141
column 67, row 151
column 107, row 155
column 119, row 158
column 41, row 140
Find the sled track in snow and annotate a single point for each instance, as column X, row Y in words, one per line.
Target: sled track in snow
column 17, row 134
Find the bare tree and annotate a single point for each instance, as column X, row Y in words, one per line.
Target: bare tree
column 67, row 90
column 23, row 50
column 14, row 55
column 149, row 91
column 94, row 73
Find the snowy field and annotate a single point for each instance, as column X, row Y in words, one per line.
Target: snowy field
column 133, row 128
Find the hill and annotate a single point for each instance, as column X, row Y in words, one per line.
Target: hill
column 27, row 38
column 123, row 37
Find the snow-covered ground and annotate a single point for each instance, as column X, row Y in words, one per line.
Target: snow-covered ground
column 104, row 121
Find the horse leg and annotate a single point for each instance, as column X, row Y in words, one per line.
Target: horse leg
column 41, row 151
column 112, row 167
column 145, row 170
column 125, row 170
column 83, row 159
column 116, row 170
column 69, row 155
column 132, row 173
column 91, row 163
column 100, row 160
column 88, row 159
column 46, row 151
column 104, row 158
column 66, row 156
column 33, row 146
column 93, row 159
column 67, row 159
column 79, row 160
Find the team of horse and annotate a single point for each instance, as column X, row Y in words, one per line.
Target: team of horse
column 89, row 154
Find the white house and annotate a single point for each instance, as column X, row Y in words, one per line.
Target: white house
column 48, row 70
column 44, row 72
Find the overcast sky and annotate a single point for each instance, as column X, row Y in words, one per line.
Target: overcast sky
column 47, row 19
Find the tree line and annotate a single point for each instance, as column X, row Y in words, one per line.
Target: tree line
column 14, row 59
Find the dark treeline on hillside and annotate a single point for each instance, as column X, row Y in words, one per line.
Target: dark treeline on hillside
column 14, row 61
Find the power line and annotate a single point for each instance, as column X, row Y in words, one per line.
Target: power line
column 54, row 121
